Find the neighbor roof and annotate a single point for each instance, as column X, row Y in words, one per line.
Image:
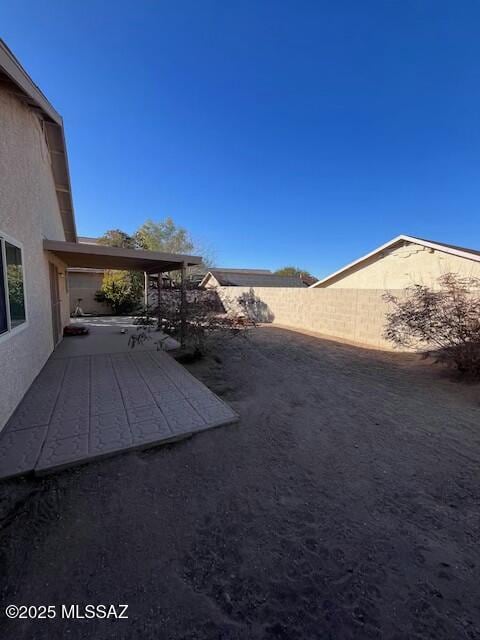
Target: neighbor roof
column 244, row 279
column 87, row 240
column 16, row 80
column 462, row 252
column 245, row 271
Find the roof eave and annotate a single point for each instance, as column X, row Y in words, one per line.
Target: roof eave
column 31, row 94
column 205, row 279
column 76, row 254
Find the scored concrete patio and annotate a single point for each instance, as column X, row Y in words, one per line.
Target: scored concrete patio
column 87, row 404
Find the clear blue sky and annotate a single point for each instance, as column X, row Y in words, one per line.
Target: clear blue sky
column 276, row 132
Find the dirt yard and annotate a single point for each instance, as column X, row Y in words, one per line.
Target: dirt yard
column 345, row 504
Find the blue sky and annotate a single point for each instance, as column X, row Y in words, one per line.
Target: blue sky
column 277, row 132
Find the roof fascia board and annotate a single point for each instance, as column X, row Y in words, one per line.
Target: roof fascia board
column 445, row 249
column 20, row 77
column 35, row 98
column 205, row 279
column 94, row 249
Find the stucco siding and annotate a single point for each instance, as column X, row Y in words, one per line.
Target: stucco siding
column 28, row 213
column 401, row 267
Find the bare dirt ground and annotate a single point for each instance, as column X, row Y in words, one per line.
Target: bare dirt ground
column 345, row 504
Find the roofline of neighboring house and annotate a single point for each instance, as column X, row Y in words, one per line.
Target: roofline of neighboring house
column 250, row 272
column 87, row 240
column 18, row 82
column 212, row 274
column 205, row 279
column 462, row 253
column 254, row 272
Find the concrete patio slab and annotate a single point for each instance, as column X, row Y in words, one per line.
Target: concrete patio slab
column 92, row 406
column 106, row 337
column 19, row 450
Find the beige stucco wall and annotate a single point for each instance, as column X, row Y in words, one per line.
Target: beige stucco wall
column 402, row 267
column 85, row 284
column 356, row 315
column 28, row 213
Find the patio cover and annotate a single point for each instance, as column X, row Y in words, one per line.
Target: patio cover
column 75, row 254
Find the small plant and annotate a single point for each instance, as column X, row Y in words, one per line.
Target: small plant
column 146, row 325
column 445, row 322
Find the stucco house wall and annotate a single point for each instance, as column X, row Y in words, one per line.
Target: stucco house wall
column 401, row 267
column 29, row 212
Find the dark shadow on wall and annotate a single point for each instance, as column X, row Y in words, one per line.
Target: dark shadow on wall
column 255, row 308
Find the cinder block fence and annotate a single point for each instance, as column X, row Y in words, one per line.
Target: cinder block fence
column 357, row 315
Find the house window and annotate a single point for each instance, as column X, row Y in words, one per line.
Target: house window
column 12, row 292
column 3, row 301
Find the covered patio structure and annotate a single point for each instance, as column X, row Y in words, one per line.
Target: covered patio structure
column 151, row 263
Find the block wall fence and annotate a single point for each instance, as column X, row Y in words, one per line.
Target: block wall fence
column 356, row 315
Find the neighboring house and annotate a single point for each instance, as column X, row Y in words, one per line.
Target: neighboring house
column 248, row 278
column 198, row 274
column 83, row 284
column 38, row 239
column 88, row 240
column 403, row 262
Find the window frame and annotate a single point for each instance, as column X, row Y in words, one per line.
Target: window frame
column 12, row 331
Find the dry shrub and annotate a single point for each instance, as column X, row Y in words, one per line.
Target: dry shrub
column 206, row 322
column 445, row 322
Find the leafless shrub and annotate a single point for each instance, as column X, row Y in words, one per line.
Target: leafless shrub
column 205, row 322
column 445, row 322
column 147, row 329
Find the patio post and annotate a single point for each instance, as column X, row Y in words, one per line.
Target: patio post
column 183, row 306
column 159, row 290
column 145, row 288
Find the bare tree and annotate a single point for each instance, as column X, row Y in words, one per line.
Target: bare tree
column 444, row 322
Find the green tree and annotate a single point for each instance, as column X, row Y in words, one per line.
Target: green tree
column 122, row 290
column 165, row 236
column 303, row 274
column 117, row 238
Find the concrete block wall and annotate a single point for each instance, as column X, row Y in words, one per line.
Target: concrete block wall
column 356, row 315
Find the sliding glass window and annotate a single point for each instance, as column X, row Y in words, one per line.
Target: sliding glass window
column 12, row 289
column 3, row 299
